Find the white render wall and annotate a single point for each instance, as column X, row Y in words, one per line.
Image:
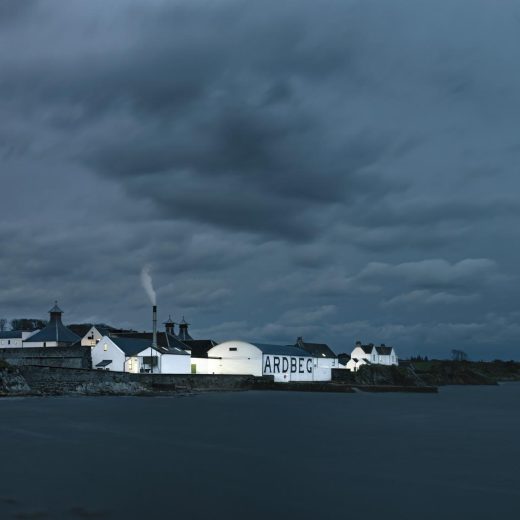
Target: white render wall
column 107, row 349
column 16, row 342
column 240, row 357
column 235, row 357
column 175, row 364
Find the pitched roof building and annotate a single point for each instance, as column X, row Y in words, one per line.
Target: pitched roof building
column 55, row 334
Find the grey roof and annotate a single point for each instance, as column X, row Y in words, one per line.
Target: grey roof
column 167, row 343
column 56, row 308
column 10, row 334
column 316, row 349
column 343, row 358
column 281, row 350
column 54, row 331
column 131, row 346
column 384, row 350
column 104, row 363
column 367, row 349
column 183, row 330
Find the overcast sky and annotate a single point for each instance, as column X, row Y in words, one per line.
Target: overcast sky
column 338, row 170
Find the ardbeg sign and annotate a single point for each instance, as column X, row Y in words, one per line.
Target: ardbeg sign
column 286, row 365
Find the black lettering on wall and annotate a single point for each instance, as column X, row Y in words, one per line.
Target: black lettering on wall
column 293, row 365
column 276, row 364
column 309, row 365
column 300, row 365
column 285, row 364
column 267, row 364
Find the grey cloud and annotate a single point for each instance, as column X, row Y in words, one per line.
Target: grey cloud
column 341, row 170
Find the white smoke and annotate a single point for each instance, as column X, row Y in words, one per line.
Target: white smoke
column 146, row 281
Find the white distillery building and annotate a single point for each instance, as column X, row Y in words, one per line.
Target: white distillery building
column 285, row 363
column 55, row 334
column 121, row 354
column 14, row 338
column 325, row 358
column 371, row 354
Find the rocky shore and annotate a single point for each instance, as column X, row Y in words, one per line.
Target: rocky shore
column 423, row 377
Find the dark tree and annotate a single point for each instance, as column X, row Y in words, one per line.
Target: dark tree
column 3, row 323
column 459, row 355
column 27, row 324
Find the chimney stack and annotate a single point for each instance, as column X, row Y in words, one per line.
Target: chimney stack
column 154, row 340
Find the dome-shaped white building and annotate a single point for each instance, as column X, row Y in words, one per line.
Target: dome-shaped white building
column 285, row 363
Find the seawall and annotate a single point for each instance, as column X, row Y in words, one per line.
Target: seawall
column 67, row 357
column 71, row 381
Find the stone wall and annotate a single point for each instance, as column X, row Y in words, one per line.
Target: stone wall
column 67, row 357
column 12, row 382
column 58, row 380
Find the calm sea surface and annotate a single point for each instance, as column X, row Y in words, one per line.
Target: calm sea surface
column 250, row 455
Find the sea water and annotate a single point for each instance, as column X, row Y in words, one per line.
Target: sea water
column 268, row 455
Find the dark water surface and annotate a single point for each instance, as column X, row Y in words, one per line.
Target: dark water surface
column 263, row 455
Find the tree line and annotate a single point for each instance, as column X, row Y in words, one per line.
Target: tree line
column 25, row 324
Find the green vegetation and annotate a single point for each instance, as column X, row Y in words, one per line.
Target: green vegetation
column 434, row 373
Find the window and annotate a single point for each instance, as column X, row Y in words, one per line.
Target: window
column 130, row 364
column 105, row 347
column 8, row 341
column 233, row 349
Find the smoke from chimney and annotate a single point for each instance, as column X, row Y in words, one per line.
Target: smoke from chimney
column 146, row 281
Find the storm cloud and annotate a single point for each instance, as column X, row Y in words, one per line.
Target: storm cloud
column 341, row 170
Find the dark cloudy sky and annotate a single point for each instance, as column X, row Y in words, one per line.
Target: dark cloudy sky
column 340, row 170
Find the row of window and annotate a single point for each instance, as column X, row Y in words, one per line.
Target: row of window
column 3, row 342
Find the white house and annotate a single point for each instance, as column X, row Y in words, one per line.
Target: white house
column 14, row 338
column 55, row 334
column 371, row 354
column 285, row 363
column 121, row 354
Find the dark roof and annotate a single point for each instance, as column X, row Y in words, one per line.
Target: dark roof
column 104, row 363
column 183, row 330
column 164, row 340
column 199, row 347
column 56, row 308
column 131, row 346
column 383, row 350
column 343, row 358
column 54, row 331
column 80, row 329
column 367, row 349
column 169, row 321
column 316, row 349
column 281, row 350
column 10, row 334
